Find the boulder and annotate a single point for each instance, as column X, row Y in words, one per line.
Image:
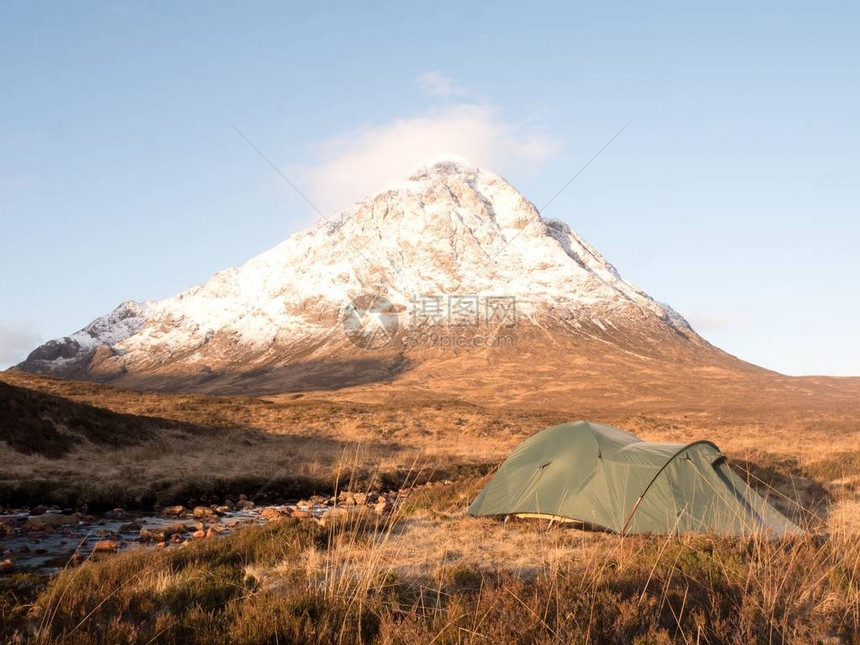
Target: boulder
column 173, row 511
column 6, row 565
column 105, row 546
column 273, row 514
column 199, row 534
column 151, row 535
column 49, row 521
column 163, row 533
column 130, row 527
column 176, row 528
column 301, row 514
column 202, row 513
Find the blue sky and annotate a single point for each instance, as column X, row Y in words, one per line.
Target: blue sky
column 733, row 194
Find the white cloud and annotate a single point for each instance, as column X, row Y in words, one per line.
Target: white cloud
column 366, row 161
column 436, row 84
column 17, row 340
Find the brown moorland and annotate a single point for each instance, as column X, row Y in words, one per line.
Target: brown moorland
column 428, row 572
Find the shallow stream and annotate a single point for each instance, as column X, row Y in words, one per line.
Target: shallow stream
column 44, row 543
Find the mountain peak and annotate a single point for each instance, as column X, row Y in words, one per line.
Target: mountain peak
column 449, row 230
column 446, row 163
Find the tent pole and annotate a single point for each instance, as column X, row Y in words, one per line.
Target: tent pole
column 630, row 516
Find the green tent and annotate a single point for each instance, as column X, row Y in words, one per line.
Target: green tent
column 604, row 477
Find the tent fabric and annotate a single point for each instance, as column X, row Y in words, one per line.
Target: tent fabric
column 608, row 478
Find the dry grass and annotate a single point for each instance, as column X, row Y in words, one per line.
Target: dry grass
column 213, row 445
column 429, row 574
column 218, row 445
column 798, row 418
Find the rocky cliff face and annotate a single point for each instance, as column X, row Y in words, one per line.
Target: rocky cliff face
column 451, row 246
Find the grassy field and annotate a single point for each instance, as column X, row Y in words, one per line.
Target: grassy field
column 165, row 448
column 429, row 574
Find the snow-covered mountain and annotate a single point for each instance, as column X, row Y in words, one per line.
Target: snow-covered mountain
column 449, row 233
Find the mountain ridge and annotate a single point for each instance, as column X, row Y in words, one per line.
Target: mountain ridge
column 449, row 231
